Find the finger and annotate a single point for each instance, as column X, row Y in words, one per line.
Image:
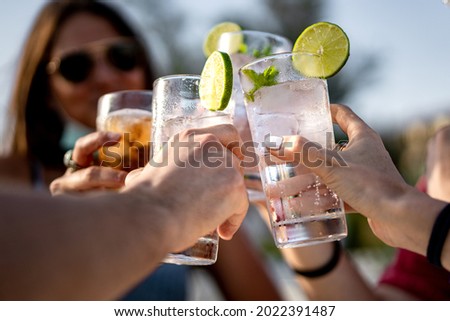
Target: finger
column 298, row 150
column 349, row 210
column 227, row 229
column 133, row 174
column 291, row 186
column 347, row 120
column 291, row 146
column 87, row 145
column 227, row 135
column 94, row 177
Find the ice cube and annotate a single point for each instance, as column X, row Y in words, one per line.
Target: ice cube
column 277, row 98
column 275, row 124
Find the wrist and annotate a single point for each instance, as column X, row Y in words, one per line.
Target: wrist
column 326, row 267
column 439, row 234
column 413, row 215
column 309, row 258
column 152, row 221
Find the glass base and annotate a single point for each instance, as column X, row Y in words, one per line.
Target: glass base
column 204, row 252
column 313, row 231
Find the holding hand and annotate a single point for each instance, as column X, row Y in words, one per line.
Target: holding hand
column 198, row 181
column 365, row 177
column 83, row 175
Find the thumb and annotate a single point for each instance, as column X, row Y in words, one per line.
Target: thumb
column 299, row 150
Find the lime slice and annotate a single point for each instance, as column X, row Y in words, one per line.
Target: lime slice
column 216, row 82
column 328, row 47
column 211, row 40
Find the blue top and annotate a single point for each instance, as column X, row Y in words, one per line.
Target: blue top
column 167, row 283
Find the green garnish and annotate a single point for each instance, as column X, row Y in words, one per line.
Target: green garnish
column 262, row 53
column 329, row 50
column 264, row 79
column 243, row 48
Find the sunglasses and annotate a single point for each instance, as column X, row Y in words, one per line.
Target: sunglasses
column 77, row 66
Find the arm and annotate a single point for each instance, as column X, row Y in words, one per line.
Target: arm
column 344, row 282
column 71, row 248
column 241, row 272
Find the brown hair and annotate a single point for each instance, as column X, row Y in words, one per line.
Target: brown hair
column 38, row 128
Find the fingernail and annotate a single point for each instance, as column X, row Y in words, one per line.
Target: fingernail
column 121, row 175
column 114, row 135
column 273, row 142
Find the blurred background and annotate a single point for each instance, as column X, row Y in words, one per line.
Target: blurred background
column 397, row 77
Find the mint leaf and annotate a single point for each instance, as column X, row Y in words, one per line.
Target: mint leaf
column 264, row 79
column 262, row 53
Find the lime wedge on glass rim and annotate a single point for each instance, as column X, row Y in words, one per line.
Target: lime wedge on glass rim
column 211, row 41
column 216, row 81
column 328, row 49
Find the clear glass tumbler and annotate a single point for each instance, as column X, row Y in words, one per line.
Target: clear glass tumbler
column 302, row 209
column 176, row 107
column 244, row 47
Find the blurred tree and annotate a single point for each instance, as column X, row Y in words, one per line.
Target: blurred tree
column 177, row 27
column 293, row 16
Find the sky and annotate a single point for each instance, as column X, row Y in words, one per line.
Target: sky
column 412, row 37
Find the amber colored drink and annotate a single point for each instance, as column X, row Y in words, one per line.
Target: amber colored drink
column 133, row 149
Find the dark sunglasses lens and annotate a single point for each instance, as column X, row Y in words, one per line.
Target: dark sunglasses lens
column 124, row 56
column 76, row 67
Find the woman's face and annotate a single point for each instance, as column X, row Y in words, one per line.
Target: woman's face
column 77, row 88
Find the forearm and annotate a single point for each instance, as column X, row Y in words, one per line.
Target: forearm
column 77, row 249
column 413, row 216
column 241, row 273
column 343, row 282
column 399, row 214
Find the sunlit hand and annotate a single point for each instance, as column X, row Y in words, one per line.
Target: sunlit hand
column 360, row 174
column 89, row 177
column 203, row 193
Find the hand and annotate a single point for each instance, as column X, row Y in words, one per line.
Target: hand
column 89, row 177
column 362, row 174
column 438, row 165
column 197, row 178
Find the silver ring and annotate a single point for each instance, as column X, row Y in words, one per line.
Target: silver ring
column 341, row 145
column 69, row 162
column 252, row 176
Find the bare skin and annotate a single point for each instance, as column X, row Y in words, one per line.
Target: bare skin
column 68, row 248
column 399, row 214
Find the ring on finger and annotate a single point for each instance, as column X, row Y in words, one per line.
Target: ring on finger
column 341, row 145
column 70, row 163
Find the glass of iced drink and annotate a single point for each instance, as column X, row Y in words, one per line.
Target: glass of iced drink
column 243, row 47
column 176, row 107
column 280, row 101
column 127, row 112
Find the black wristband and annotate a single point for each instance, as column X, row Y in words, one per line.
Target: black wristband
column 438, row 236
column 327, row 267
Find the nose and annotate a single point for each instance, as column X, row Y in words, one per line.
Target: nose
column 103, row 74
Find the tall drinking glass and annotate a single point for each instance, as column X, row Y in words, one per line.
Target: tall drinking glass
column 302, row 209
column 127, row 112
column 243, row 47
column 176, row 107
